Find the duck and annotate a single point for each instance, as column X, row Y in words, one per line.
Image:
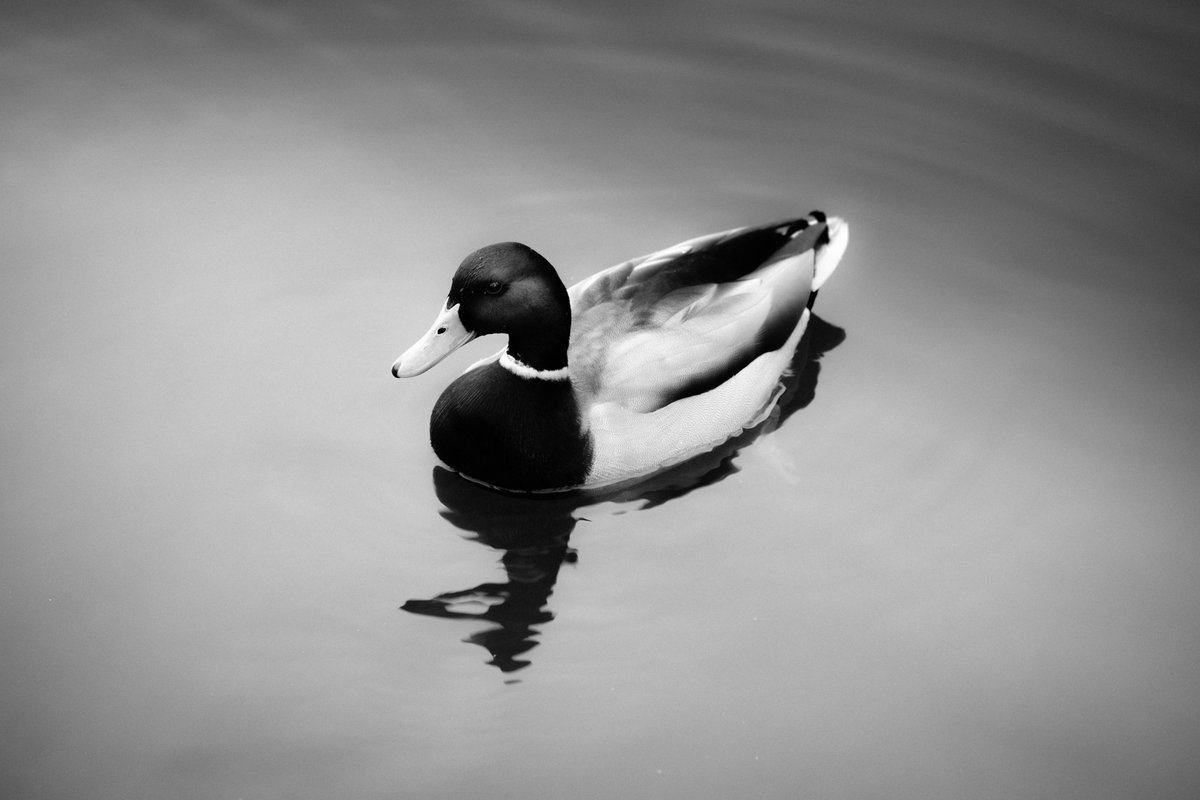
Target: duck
column 629, row 372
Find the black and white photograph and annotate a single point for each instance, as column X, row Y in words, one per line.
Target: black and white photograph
column 663, row 400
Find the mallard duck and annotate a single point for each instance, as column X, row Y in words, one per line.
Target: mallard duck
column 628, row 372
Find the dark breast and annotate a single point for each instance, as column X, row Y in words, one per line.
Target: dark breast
column 511, row 432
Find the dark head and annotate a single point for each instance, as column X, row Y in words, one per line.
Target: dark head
column 502, row 288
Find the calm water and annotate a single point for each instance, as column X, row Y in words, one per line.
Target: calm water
column 963, row 564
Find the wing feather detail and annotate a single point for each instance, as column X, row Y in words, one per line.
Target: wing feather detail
column 657, row 329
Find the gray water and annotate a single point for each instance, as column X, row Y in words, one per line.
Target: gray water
column 962, row 565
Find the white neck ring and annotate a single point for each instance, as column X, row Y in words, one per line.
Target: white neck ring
column 525, row 371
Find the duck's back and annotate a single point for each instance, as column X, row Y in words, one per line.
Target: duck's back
column 676, row 352
column 681, row 321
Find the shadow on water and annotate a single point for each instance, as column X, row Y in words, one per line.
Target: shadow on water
column 533, row 531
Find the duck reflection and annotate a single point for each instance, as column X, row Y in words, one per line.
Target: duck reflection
column 533, row 531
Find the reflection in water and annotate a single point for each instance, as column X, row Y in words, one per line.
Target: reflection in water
column 533, row 531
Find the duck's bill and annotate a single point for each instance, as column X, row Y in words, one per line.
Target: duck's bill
column 446, row 335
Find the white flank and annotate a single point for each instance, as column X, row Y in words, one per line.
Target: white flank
column 629, row 444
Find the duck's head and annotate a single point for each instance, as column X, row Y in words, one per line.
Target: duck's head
column 502, row 288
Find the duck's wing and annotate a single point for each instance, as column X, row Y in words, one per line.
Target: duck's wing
column 684, row 320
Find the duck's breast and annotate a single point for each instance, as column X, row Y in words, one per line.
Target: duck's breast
column 511, row 432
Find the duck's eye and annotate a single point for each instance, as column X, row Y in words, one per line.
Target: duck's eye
column 493, row 287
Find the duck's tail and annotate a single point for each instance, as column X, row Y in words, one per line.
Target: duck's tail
column 829, row 249
column 824, row 235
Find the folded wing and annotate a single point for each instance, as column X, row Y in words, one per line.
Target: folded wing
column 683, row 321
